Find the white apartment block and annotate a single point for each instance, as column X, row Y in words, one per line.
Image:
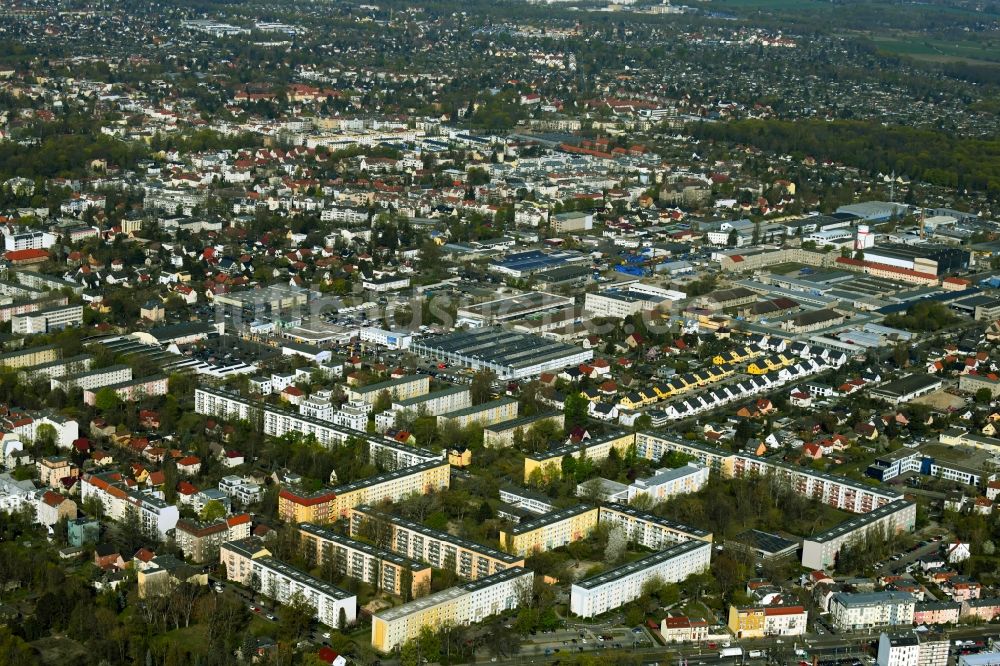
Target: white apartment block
column 488, row 413
column 242, row 490
column 27, row 240
column 667, row 483
column 650, row 530
column 92, row 379
column 460, row 606
column 400, row 389
column 441, row 550
column 389, row 454
column 820, row 551
column 617, row 587
column 619, row 305
column 317, row 407
column 860, row 611
column 255, row 567
column 46, row 320
column 156, row 516
column 436, row 403
column 133, row 389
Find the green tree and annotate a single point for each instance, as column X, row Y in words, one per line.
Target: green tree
column 212, row 511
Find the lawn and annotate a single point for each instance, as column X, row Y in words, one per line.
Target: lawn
column 922, row 47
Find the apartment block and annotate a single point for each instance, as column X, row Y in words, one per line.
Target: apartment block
column 761, row 621
column 649, row 530
column 441, row 550
column 381, row 568
column 502, row 434
column 549, row 463
column 298, row 506
column 667, row 483
column 132, row 390
column 820, row 551
column 30, row 357
column 653, row 446
column 421, row 479
column 617, row 587
column 389, row 454
column 201, row 541
column 459, row 606
column 436, row 403
column 550, row 531
column 92, row 379
column 403, row 388
column 836, row 491
column 45, row 320
column 241, row 490
column 157, row 518
column 865, row 610
column 488, row 413
column 56, row 368
column 28, row 307
column 248, row 563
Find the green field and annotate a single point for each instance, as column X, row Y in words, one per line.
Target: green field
column 938, row 50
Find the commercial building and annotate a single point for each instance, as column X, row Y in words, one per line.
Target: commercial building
column 510, row 308
column 865, row 610
column 46, row 319
column 382, row 569
column 617, row 587
column 649, row 530
column 548, row 463
column 907, row 388
column 423, row 478
column 509, row 354
column 439, row 549
column 201, row 541
column 667, row 483
column 502, row 435
column 249, row 564
column 92, row 379
column 820, row 551
column 761, row 621
column 550, row 530
column 890, row 465
column 938, row 260
column 272, row 303
column 458, row 606
column 383, row 338
column 488, row 413
column 402, row 388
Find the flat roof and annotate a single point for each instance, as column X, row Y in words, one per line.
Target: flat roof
column 439, row 535
column 475, row 409
column 906, row 385
column 497, row 346
column 551, row 518
column 416, row 400
column 388, row 476
column 367, row 548
column 522, row 421
column 512, row 306
column 391, row 383
column 652, row 560
column 582, row 445
column 667, row 523
column 766, row 542
column 860, row 521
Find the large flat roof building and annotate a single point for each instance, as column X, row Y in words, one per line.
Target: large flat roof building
column 508, row 354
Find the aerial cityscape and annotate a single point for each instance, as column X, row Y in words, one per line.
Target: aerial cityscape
column 572, row 332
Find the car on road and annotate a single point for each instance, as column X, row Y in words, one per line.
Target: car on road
column 271, row 617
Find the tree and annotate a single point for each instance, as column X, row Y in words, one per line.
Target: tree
column 481, row 388
column 106, row 400
column 212, row 511
column 617, row 544
column 296, row 616
column 984, row 396
column 383, row 401
column 576, row 409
